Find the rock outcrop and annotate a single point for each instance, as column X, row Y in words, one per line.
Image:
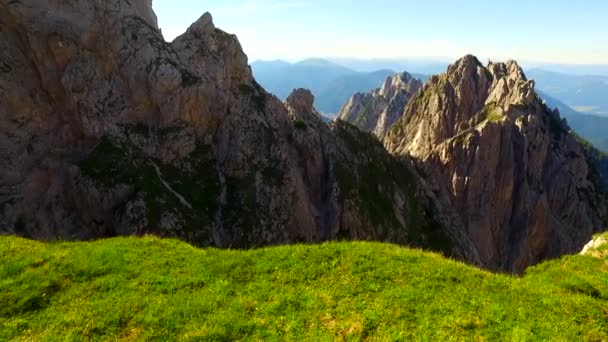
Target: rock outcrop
column 598, row 247
column 377, row 111
column 492, row 150
column 106, row 129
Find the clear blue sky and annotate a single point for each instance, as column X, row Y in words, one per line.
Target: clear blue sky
column 561, row 31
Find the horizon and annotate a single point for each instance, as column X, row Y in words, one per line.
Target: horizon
column 433, row 30
column 423, row 64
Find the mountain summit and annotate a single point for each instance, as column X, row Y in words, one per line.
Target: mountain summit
column 519, row 179
column 377, row 111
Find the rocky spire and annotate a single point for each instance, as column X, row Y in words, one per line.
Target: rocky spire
column 519, row 179
column 377, row 111
column 203, row 26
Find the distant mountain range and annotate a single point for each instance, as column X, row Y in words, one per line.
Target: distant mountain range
column 281, row 78
column 593, row 128
column 331, row 83
column 427, row 66
column 582, row 100
column 584, row 93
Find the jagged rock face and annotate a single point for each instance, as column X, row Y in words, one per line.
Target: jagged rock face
column 507, row 164
column 107, row 129
column 93, row 70
column 377, row 111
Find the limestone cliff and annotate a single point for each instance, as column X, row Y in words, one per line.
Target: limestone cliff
column 510, row 167
column 377, row 111
column 106, row 129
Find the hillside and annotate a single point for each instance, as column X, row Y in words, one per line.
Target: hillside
column 133, row 289
column 591, row 127
column 584, row 93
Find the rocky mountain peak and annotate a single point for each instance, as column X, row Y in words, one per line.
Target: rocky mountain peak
column 376, row 111
column 465, row 65
column 511, row 88
column 301, row 101
column 505, row 161
column 395, row 83
column 509, row 69
column 203, row 26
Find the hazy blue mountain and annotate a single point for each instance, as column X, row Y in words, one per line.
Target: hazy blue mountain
column 331, row 83
column 564, row 110
column 591, row 127
column 583, row 93
column 336, row 93
column 266, row 67
column 412, row 65
column 281, row 78
column 571, row 69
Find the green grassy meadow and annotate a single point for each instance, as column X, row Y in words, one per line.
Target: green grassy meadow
column 139, row 289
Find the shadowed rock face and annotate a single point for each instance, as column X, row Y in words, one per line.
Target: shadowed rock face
column 510, row 167
column 106, row 129
column 377, row 111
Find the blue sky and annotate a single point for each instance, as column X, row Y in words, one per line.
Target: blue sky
column 559, row 31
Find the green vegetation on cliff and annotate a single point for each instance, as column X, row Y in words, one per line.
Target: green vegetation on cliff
column 149, row 288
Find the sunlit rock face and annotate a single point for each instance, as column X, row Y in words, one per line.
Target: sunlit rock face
column 378, row 110
column 519, row 179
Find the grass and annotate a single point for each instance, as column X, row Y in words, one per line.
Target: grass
column 130, row 289
column 494, row 113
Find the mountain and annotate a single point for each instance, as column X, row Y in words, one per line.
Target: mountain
column 427, row 66
column 591, row 127
column 150, row 289
column 377, row 111
column 281, row 78
column 581, row 92
column 109, row 130
column 523, row 186
column 571, row 69
column 332, row 96
column 331, row 84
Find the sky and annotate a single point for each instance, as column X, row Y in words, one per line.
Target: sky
column 552, row 31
